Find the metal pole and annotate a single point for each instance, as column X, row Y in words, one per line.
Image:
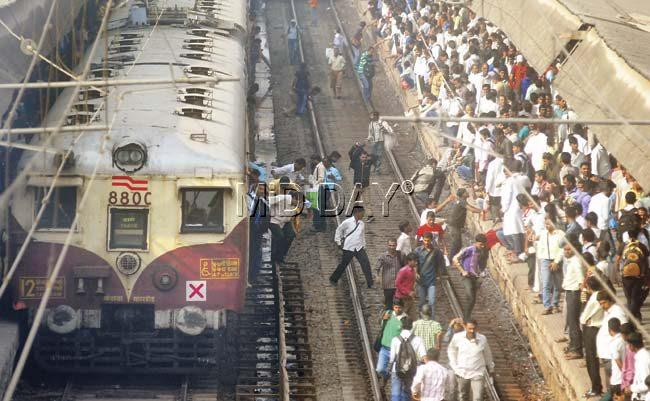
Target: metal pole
column 117, row 82
column 49, row 130
column 519, row 120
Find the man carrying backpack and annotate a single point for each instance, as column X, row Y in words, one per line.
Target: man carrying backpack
column 471, row 359
column 634, row 271
column 406, row 352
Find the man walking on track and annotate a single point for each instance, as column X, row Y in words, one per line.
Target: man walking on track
column 377, row 131
column 470, row 262
column 351, row 236
column 432, row 380
column 337, row 68
column 471, row 359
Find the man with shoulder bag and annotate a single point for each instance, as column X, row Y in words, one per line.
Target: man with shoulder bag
column 351, row 237
column 391, row 326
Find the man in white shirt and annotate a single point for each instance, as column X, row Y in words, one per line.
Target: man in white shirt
column 291, row 170
column 536, row 146
column 616, row 354
column 283, row 208
column 603, row 339
column 515, row 184
column 549, row 254
column 638, row 388
column 471, row 359
column 494, row 180
column 432, row 381
column 600, row 161
column 377, row 131
column 401, row 389
column 351, row 236
column 405, row 240
column 571, row 284
column 601, row 204
column 337, row 68
column 482, row 152
column 583, row 145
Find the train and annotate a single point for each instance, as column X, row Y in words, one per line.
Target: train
column 157, row 264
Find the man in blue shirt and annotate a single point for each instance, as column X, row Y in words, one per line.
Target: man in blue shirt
column 471, row 262
column 431, row 263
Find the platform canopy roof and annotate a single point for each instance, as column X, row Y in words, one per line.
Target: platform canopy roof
column 608, row 73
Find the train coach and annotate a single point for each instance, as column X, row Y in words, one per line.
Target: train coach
column 158, row 258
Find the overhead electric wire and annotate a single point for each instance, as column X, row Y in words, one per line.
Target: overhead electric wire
column 37, row 52
column 12, row 115
column 9, row 275
column 20, row 365
column 54, row 274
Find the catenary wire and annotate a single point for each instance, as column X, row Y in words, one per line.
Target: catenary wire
column 20, row 365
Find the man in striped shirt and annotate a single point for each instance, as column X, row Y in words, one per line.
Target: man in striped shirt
column 388, row 264
column 432, row 381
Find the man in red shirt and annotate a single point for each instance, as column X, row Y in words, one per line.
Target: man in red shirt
column 519, row 71
column 433, row 228
column 405, row 285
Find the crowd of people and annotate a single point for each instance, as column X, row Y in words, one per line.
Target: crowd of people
column 560, row 203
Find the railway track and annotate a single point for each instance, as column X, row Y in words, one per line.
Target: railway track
column 506, row 385
column 355, row 360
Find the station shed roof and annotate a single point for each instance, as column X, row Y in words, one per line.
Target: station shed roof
column 607, row 74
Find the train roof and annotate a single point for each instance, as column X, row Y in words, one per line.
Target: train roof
column 184, row 128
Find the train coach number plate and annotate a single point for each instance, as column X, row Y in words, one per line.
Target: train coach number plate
column 34, row 287
column 220, row 269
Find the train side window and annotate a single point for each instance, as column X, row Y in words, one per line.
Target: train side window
column 128, row 228
column 61, row 208
column 202, row 210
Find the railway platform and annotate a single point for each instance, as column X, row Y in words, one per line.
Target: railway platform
column 9, row 340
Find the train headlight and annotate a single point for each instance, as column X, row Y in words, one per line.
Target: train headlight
column 130, row 157
column 165, row 278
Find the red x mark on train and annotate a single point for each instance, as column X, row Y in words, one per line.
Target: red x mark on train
column 195, row 291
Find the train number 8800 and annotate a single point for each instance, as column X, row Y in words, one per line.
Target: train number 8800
column 129, row 198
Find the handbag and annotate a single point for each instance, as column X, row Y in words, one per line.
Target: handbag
column 377, row 344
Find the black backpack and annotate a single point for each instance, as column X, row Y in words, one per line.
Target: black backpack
column 407, row 361
column 354, row 153
column 629, row 221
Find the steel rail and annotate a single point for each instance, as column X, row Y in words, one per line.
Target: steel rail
column 184, row 393
column 285, row 386
column 354, row 286
column 446, row 283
